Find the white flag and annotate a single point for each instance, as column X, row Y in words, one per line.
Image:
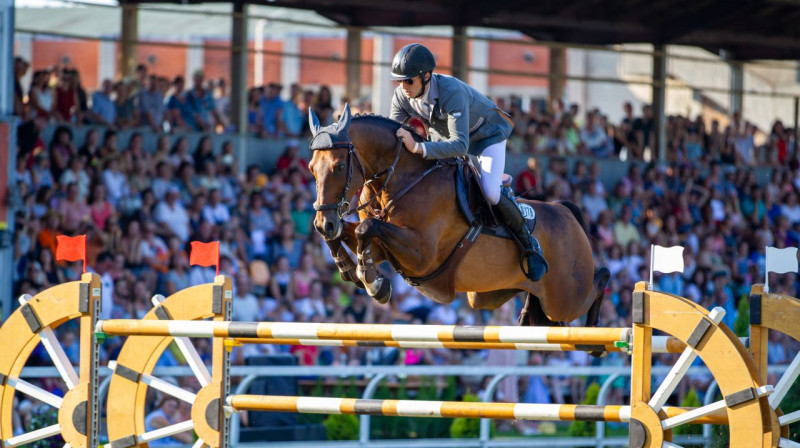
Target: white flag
column 781, row 261
column 667, row 259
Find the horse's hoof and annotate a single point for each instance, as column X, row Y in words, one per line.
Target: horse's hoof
column 601, row 278
column 598, row 354
column 384, row 293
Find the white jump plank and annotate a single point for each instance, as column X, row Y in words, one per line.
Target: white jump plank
column 189, row 352
column 168, row 388
column 166, row 431
column 33, row 436
column 677, row 372
column 36, row 392
column 694, row 414
column 56, row 352
column 786, row 443
column 788, row 419
column 786, row 381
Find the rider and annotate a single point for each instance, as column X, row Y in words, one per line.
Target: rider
column 460, row 120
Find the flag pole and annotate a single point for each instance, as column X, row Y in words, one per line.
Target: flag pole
column 652, row 252
column 766, row 269
column 84, row 254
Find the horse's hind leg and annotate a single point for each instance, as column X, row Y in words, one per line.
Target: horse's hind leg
column 601, row 278
column 535, row 314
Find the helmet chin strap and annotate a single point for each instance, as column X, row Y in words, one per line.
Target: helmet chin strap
column 424, row 84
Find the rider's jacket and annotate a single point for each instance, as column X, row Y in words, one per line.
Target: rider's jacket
column 459, row 118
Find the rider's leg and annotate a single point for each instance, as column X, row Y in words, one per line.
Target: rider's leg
column 492, row 162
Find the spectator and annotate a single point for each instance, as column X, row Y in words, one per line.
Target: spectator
column 181, row 114
column 200, row 102
column 66, row 106
column 61, row 151
column 323, row 107
column 151, row 106
column 166, row 414
column 125, row 109
column 271, row 108
column 171, row 213
column 215, row 212
column 20, row 69
column 40, row 97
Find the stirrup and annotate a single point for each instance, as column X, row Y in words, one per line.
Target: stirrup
column 528, row 255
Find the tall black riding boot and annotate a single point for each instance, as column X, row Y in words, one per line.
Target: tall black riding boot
column 531, row 250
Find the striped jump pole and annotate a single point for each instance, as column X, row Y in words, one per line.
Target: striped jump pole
column 452, row 409
column 661, row 344
column 365, row 332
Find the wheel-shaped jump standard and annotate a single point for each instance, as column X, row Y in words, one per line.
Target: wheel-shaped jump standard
column 139, row 355
column 744, row 397
column 775, row 312
column 34, row 322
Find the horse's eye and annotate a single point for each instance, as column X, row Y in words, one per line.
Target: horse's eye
column 339, row 167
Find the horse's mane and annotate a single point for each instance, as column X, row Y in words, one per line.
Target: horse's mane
column 387, row 123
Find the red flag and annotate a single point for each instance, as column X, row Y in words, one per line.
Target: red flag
column 205, row 254
column 71, row 248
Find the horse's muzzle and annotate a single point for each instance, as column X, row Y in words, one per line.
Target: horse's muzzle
column 330, row 229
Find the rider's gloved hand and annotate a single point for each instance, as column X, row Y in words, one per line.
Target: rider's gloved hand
column 408, row 141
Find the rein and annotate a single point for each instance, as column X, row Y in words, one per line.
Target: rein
column 343, row 206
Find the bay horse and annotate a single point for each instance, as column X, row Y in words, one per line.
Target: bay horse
column 409, row 216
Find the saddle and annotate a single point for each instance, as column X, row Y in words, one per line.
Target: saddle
column 476, row 208
column 440, row 284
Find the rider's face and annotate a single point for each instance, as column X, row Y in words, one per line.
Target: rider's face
column 411, row 90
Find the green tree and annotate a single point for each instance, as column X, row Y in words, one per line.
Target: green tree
column 691, row 400
column 581, row 428
column 741, row 326
column 42, row 417
column 341, row 427
column 467, row 428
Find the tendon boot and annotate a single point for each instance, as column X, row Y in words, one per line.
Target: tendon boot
column 531, row 250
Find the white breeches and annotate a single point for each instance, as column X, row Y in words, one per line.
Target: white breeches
column 493, row 163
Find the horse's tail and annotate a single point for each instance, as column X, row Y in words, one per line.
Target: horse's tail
column 578, row 214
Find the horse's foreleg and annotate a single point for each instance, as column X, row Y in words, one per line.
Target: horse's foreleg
column 346, row 265
column 377, row 286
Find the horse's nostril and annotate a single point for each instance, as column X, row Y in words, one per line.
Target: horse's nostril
column 329, row 226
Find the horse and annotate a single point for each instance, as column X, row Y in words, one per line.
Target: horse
column 409, row 216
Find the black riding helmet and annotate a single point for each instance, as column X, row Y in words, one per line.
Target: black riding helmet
column 412, row 60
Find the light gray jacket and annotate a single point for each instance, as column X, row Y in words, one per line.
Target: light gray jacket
column 462, row 119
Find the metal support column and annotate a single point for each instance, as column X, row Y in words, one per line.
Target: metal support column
column 658, row 145
column 239, row 78
column 129, row 38
column 460, row 67
column 7, row 153
column 353, row 71
column 796, row 112
column 737, row 86
column 558, row 70
column 382, row 88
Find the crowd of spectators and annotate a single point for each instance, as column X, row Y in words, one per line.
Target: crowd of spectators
column 566, row 131
column 157, row 104
column 140, row 207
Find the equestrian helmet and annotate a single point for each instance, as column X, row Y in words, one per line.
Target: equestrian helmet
column 412, row 60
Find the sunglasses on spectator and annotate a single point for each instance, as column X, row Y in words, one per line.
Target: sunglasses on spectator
column 406, row 81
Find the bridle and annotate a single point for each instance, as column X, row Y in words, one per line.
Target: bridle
column 343, row 206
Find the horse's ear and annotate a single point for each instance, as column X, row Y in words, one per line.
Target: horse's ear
column 344, row 120
column 313, row 121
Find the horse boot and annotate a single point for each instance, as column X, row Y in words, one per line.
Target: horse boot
column 531, row 250
column 378, row 287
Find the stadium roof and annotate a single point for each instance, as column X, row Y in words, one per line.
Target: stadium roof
column 745, row 29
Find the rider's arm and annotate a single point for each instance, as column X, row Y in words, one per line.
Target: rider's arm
column 457, row 109
column 398, row 113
